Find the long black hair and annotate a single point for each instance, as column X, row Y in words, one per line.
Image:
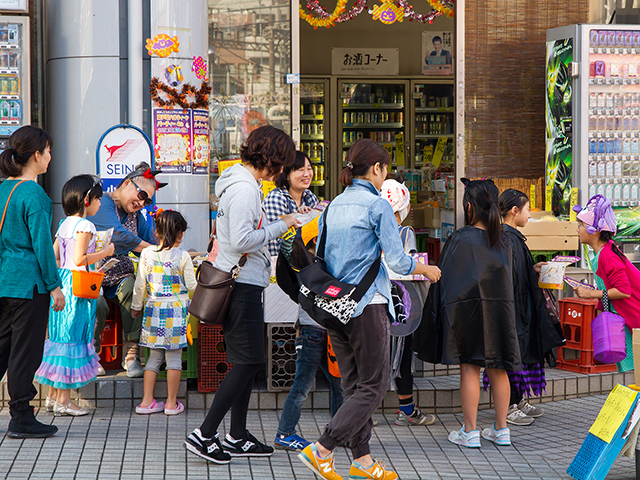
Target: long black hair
column 512, row 198
column 77, row 190
column 608, row 236
column 480, row 203
column 169, row 225
column 23, row 144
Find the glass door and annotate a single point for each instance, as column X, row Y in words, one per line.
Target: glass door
column 433, row 133
column 377, row 111
column 314, row 131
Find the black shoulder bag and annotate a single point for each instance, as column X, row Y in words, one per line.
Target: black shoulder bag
column 328, row 301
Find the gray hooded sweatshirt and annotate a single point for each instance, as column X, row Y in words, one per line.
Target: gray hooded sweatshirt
column 239, row 213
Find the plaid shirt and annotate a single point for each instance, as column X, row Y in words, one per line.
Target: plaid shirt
column 278, row 203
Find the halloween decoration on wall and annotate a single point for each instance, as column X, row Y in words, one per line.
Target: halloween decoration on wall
column 199, row 67
column 162, row 45
column 175, row 97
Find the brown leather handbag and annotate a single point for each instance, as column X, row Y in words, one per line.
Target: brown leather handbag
column 210, row 301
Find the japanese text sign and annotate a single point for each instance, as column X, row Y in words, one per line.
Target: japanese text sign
column 364, row 61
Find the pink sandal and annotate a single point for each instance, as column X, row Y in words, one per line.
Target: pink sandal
column 175, row 411
column 155, row 407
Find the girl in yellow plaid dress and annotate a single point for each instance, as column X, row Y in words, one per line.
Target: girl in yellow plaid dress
column 166, row 275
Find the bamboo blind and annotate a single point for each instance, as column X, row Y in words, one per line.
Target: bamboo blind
column 524, row 185
column 505, row 67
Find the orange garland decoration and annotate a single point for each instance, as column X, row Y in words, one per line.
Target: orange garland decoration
column 179, row 97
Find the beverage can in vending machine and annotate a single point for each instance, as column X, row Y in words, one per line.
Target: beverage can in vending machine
column 374, row 117
column 4, row 86
column 13, row 86
column 314, row 150
column 392, row 117
column 312, row 108
column 345, row 137
column 320, row 150
column 345, row 117
column 353, row 137
column 314, row 129
column 387, row 137
column 367, row 117
column 320, row 129
column 315, row 173
column 359, row 135
column 360, row 117
column 400, row 117
column 321, row 109
column 321, row 172
column 354, row 117
column 302, row 109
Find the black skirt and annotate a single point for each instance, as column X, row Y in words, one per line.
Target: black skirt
column 244, row 327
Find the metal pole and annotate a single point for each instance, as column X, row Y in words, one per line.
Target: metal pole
column 460, row 111
column 136, row 88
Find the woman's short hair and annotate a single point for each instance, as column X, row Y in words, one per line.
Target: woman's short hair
column 268, row 148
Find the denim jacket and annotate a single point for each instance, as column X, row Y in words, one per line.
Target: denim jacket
column 359, row 225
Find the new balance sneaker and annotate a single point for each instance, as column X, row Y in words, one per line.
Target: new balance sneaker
column 249, row 446
column 515, row 416
column 466, row 439
column 530, row 410
column 499, row 437
column 416, row 418
column 292, row 443
column 375, row 471
column 322, row 467
column 207, row 448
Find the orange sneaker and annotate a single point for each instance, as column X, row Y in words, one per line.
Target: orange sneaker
column 375, row 471
column 323, row 467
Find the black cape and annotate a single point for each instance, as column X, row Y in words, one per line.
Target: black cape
column 469, row 316
column 536, row 331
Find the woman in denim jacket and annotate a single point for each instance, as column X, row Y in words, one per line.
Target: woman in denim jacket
column 361, row 224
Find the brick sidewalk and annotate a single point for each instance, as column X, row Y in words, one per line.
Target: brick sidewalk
column 110, row 444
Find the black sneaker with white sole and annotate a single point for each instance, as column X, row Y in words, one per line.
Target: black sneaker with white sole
column 249, row 446
column 208, row 448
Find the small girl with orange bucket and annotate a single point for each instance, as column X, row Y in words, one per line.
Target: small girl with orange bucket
column 70, row 360
column 616, row 278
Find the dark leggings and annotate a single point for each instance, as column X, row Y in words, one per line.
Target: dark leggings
column 404, row 383
column 516, row 396
column 234, row 393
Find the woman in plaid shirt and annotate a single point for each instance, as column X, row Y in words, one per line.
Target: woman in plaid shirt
column 291, row 194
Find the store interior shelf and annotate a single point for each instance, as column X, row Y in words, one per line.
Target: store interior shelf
column 390, row 142
column 434, row 109
column 614, row 111
column 420, row 136
column 614, row 81
column 10, row 47
column 365, row 106
column 315, row 160
column 317, row 183
column 311, row 137
column 374, row 125
column 9, row 97
column 608, row 134
column 618, row 50
column 311, row 117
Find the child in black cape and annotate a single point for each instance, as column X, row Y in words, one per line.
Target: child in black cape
column 469, row 317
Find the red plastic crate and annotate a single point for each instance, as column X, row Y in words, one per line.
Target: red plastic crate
column 581, row 361
column 111, row 354
column 576, row 315
column 433, row 250
column 212, row 358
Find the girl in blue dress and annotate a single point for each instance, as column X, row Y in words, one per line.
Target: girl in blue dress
column 70, row 360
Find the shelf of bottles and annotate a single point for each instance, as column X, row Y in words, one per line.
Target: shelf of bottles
column 433, row 125
column 614, row 116
column 374, row 111
column 312, row 137
column 10, row 77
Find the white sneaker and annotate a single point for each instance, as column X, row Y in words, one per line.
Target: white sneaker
column 134, row 368
column 530, row 410
column 499, row 437
column 515, row 416
column 101, row 372
column 466, row 439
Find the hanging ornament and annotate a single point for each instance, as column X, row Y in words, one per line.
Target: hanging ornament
column 358, row 7
column 173, row 75
column 415, row 17
column 181, row 97
column 324, row 22
column 162, row 45
column 199, row 67
column 442, row 6
column 387, row 13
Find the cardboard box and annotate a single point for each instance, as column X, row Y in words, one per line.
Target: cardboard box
column 416, row 216
column 558, row 229
column 550, row 242
column 431, row 217
column 424, row 196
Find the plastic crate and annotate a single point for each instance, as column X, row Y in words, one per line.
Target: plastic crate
column 581, row 361
column 189, row 361
column 281, row 357
column 110, row 339
column 433, row 250
column 547, row 255
column 576, row 315
column 212, row 357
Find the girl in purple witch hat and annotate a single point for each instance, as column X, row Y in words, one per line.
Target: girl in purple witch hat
column 616, row 277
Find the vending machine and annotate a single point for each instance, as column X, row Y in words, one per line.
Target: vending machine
column 593, row 120
column 314, row 136
column 14, row 76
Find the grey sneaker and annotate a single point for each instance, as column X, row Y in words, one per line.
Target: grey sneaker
column 530, row 410
column 133, row 367
column 466, row 439
column 515, row 416
column 416, row 418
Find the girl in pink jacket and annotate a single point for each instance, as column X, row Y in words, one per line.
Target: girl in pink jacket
column 616, row 277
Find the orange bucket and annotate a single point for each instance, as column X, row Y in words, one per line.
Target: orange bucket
column 86, row 284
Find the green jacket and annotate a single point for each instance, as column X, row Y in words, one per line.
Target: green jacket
column 27, row 259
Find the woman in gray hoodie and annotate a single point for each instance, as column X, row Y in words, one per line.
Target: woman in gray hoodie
column 241, row 228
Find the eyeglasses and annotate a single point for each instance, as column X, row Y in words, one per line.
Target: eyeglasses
column 142, row 195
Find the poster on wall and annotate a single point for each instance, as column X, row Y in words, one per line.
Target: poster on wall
column 559, row 88
column 437, row 53
column 14, row 6
column 558, row 173
column 172, row 140
column 200, row 143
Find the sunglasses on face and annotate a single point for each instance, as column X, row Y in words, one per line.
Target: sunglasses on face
column 142, row 195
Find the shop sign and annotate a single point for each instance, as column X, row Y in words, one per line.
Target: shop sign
column 364, row 61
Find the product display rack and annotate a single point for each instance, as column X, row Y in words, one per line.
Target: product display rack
column 313, row 115
column 14, row 74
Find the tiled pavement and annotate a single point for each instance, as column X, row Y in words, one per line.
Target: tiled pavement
column 117, row 443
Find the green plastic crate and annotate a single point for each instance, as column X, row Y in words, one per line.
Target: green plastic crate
column 189, row 361
column 546, row 255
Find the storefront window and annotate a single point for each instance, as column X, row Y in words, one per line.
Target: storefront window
column 249, row 57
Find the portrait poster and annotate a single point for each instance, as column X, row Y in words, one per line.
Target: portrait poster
column 172, row 140
column 200, row 143
column 437, row 53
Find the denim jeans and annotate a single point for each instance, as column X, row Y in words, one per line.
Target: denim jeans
column 311, row 349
